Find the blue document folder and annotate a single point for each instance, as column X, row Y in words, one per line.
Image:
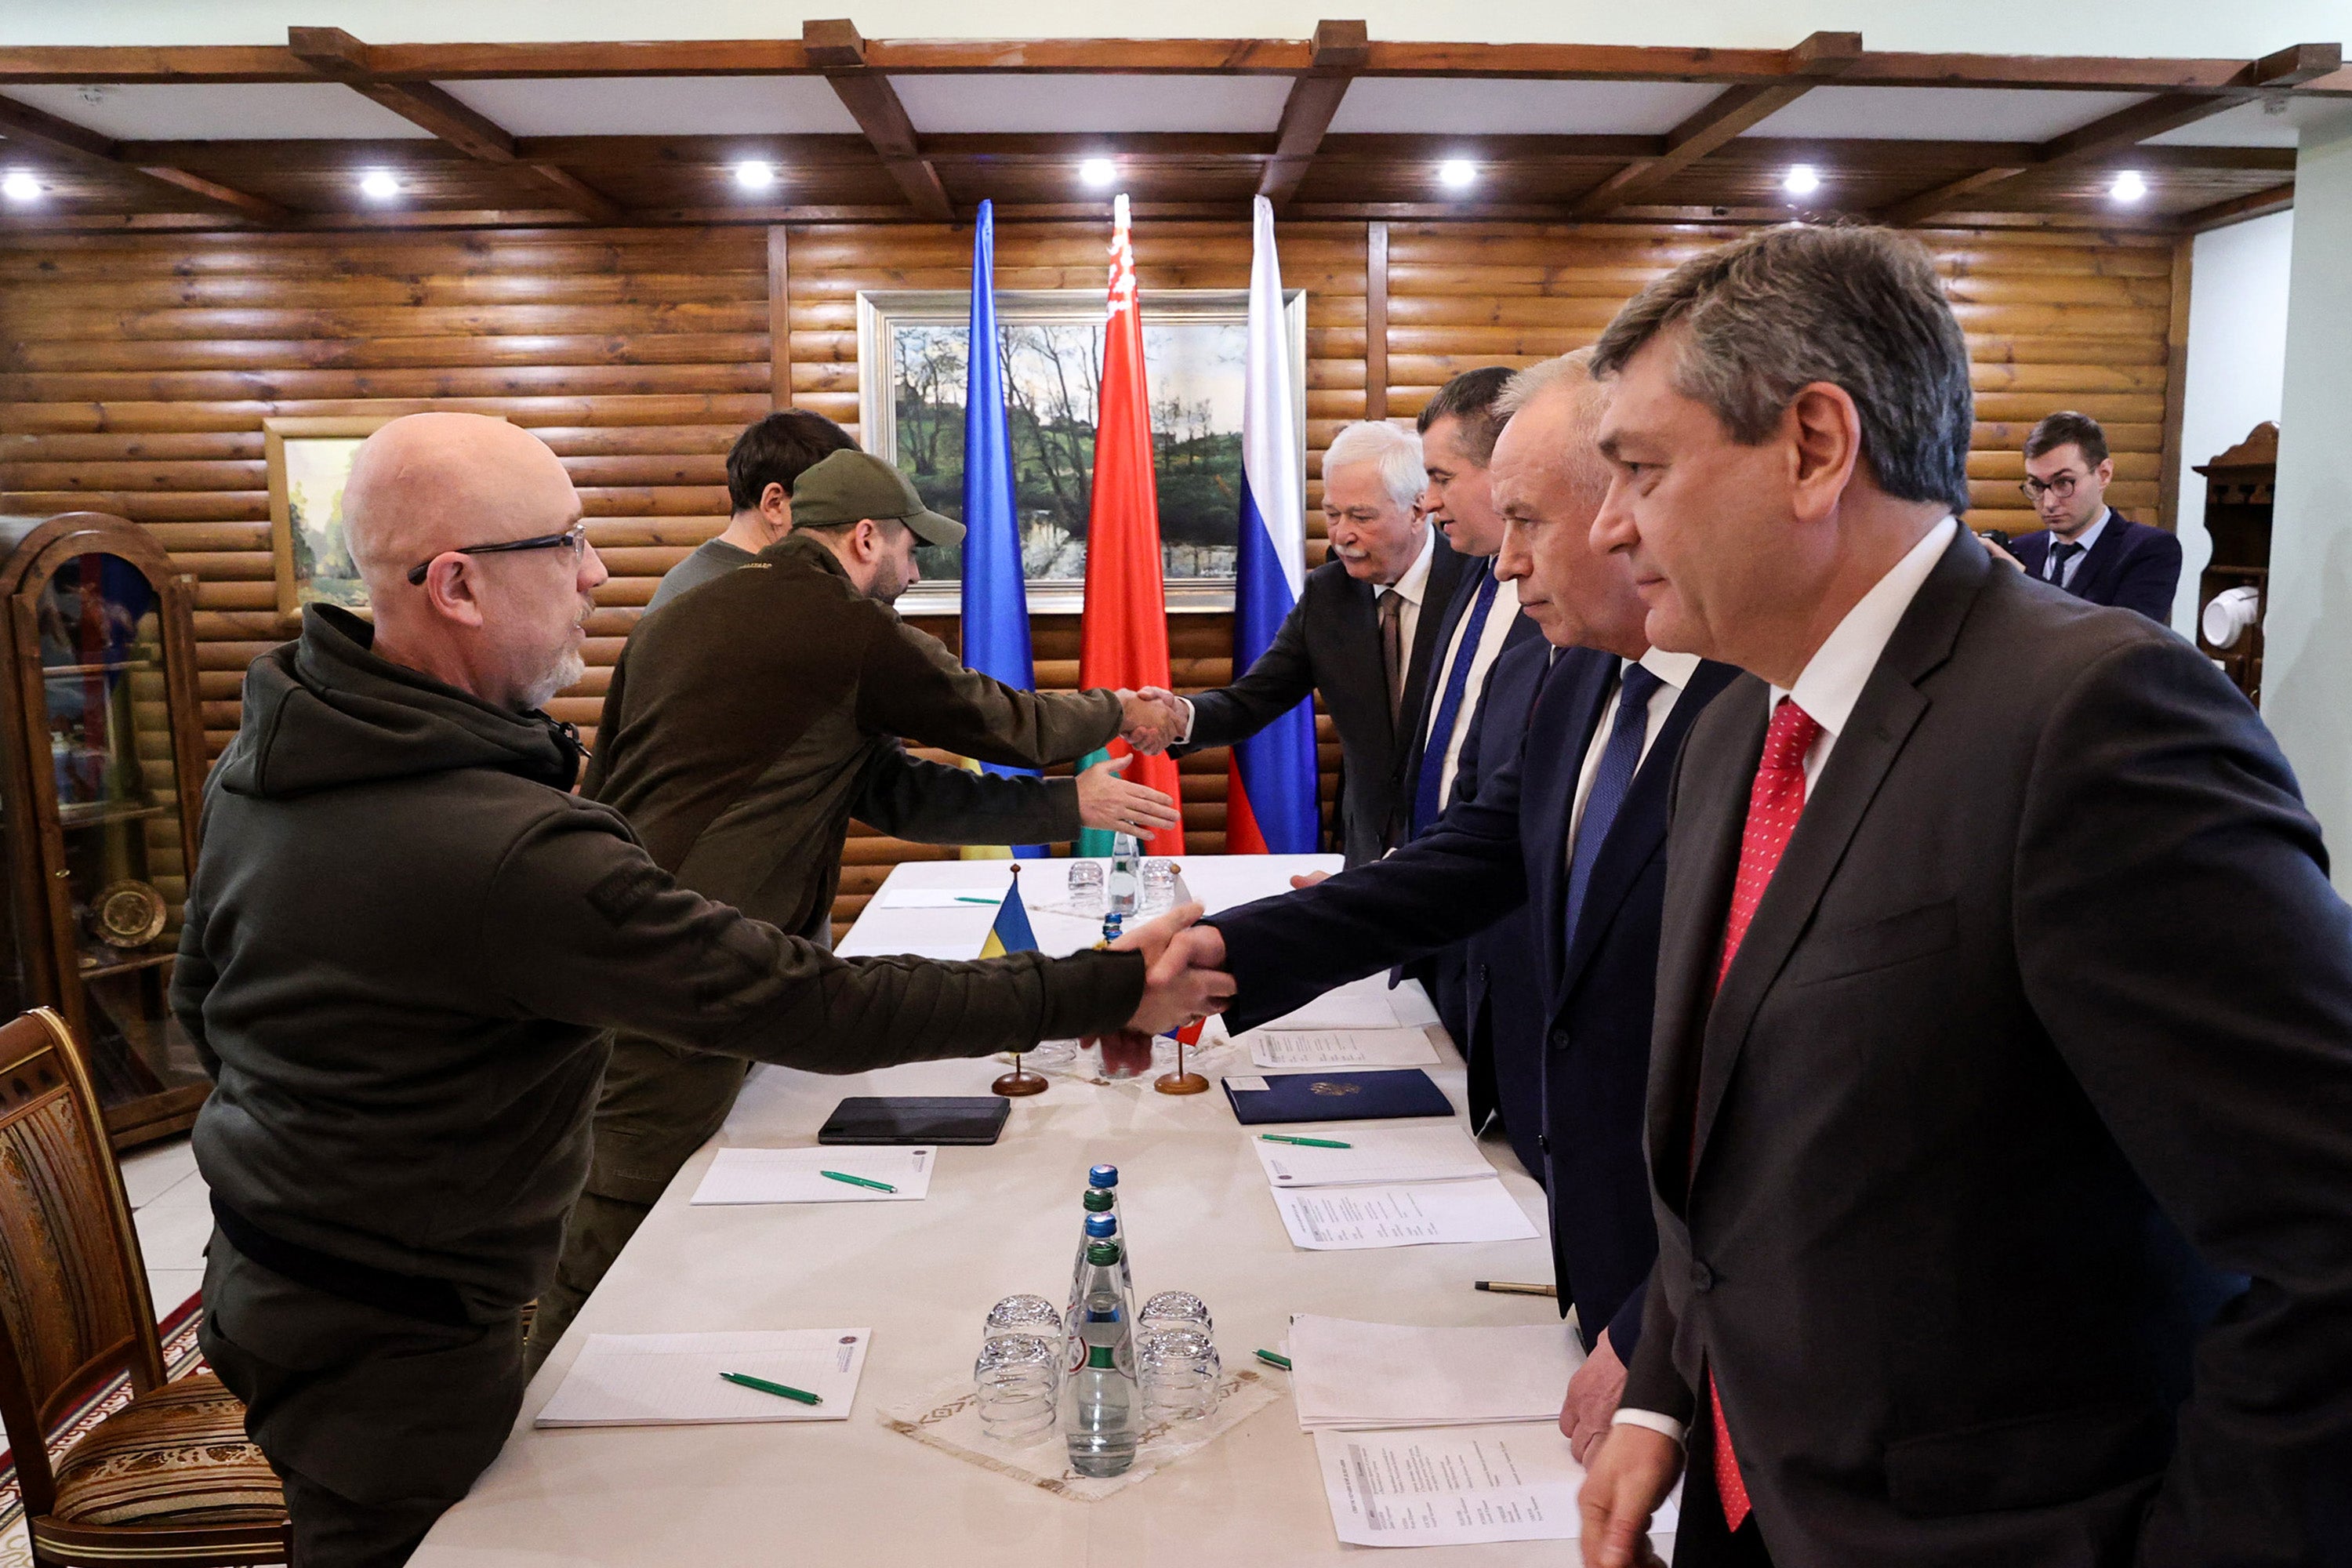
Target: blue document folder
column 1376, row 1096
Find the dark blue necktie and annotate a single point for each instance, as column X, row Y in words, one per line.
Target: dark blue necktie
column 1620, row 757
column 2060, row 555
column 1449, row 708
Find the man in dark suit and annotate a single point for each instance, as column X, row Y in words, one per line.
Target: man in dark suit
column 2085, row 546
column 1571, row 827
column 2003, row 1064
column 1458, row 427
column 1363, row 634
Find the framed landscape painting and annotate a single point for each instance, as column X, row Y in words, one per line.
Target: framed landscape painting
column 912, row 363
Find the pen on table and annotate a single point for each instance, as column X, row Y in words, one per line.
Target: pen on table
column 782, row 1391
column 857, row 1181
column 968, row 899
column 1272, row 1359
column 1513, row 1288
column 1305, row 1142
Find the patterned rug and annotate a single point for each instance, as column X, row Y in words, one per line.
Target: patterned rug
column 180, row 1357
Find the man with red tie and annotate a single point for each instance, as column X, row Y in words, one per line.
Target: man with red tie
column 2000, row 1115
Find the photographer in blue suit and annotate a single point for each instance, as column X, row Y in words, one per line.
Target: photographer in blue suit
column 1571, row 825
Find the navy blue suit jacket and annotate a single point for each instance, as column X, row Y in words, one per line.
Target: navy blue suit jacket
column 2131, row 565
column 1504, row 849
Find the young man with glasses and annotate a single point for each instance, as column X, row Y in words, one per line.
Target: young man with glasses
column 2085, row 546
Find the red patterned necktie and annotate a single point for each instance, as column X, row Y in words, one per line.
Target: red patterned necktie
column 1775, row 801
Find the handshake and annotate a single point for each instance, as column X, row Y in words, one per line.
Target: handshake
column 1150, row 720
column 1182, row 982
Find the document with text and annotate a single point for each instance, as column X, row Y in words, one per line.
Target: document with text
column 1373, row 1156
column 1340, row 1219
column 1456, row 1487
column 1341, row 1048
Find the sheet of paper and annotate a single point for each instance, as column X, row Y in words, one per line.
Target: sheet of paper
column 1346, row 1219
column 1346, row 1375
column 672, row 1380
column 1342, row 1048
column 1450, row 1487
column 1375, row 1156
column 1366, row 1004
column 939, row 898
column 791, row 1175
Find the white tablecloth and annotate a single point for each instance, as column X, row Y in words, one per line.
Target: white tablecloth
column 922, row 1275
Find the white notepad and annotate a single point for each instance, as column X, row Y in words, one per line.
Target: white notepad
column 1366, row 1004
column 1341, row 1048
column 939, row 899
column 1376, row 1156
column 1352, row 1376
column 790, row 1175
column 1344, row 1219
column 672, row 1380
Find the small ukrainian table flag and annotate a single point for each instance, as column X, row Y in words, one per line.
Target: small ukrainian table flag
column 1010, row 932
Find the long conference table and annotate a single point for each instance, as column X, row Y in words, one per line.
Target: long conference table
column 922, row 1275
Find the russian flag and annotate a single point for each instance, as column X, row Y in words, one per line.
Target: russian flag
column 1270, row 805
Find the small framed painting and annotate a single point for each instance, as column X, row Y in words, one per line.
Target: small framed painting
column 309, row 461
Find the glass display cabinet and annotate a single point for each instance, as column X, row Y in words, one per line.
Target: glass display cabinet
column 104, row 764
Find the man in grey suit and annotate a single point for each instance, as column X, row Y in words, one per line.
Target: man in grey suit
column 2000, row 1097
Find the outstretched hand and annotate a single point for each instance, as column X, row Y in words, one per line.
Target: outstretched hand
column 1181, row 980
column 1112, row 803
column 1149, row 719
column 1630, row 1475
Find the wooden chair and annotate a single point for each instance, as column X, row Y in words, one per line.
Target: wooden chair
column 169, row 1477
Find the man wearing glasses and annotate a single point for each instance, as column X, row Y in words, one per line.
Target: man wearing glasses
column 2085, row 546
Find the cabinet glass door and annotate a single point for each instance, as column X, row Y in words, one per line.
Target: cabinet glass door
column 121, row 858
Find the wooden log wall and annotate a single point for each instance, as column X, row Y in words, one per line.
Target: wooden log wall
column 135, row 372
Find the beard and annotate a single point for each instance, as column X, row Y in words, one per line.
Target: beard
column 567, row 671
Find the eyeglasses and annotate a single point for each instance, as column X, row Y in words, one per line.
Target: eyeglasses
column 574, row 539
column 2062, row 487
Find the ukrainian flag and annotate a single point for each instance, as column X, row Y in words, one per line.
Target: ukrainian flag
column 1010, row 932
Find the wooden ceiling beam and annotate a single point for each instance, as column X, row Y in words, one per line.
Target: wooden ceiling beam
column 1818, row 58
column 832, row 46
column 2221, row 214
column 1337, row 55
column 334, row 53
column 24, row 124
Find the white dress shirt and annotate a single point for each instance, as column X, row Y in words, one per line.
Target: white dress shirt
column 1500, row 615
column 1828, row 689
column 1674, row 671
column 1413, row 585
column 2087, row 538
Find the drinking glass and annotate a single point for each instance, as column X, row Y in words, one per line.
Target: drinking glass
column 1023, row 1315
column 1159, row 883
column 1016, row 1380
column 1086, row 886
column 1174, row 1309
column 1179, row 1369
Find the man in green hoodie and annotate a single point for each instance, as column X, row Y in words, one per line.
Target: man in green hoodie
column 403, row 949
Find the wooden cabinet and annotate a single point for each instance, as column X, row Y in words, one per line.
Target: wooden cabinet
column 104, row 762
column 2234, row 591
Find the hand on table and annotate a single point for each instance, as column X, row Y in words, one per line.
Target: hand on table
column 1110, row 803
column 1631, row 1474
column 1183, row 982
column 1592, row 1396
column 1149, row 719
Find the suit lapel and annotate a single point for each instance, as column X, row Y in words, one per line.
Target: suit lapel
column 2105, row 555
column 1560, row 731
column 1639, row 830
column 1444, row 575
column 1874, row 734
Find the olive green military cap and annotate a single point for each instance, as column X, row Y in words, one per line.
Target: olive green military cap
column 847, row 487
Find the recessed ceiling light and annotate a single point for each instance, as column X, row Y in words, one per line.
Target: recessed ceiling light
column 754, row 175
column 2130, row 186
column 1098, row 171
column 1457, row 173
column 379, row 186
column 20, row 186
column 1802, row 180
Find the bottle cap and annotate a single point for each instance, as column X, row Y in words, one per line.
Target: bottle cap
column 1102, row 1254
column 1101, row 1226
column 1103, row 1177
column 1098, row 1200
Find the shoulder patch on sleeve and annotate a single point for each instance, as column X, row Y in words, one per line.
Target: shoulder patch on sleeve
column 626, row 891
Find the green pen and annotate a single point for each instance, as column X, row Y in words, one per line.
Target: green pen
column 964, row 899
column 1305, row 1142
column 1272, row 1359
column 744, row 1379
column 857, row 1181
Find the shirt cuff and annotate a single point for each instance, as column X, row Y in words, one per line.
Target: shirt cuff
column 1185, row 735
column 1667, row 1424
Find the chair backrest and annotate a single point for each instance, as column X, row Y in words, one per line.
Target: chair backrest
column 74, row 1309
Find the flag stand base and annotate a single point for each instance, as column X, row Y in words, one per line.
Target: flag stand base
column 1020, row 1082
column 1181, row 1083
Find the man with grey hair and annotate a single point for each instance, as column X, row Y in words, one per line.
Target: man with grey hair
column 404, row 1052
column 1359, row 634
column 2000, row 1209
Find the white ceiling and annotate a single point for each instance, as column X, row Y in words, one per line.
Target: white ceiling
column 2248, row 126
column 211, row 111
column 951, row 105
column 659, row 106
column 1444, row 106
column 1942, row 113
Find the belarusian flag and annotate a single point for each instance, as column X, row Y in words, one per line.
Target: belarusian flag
column 1123, row 639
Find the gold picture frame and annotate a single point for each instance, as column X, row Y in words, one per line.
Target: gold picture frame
column 309, row 459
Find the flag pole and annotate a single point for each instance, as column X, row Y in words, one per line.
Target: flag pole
column 1020, row 1083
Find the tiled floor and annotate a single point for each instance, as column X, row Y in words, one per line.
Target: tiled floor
column 169, row 1206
